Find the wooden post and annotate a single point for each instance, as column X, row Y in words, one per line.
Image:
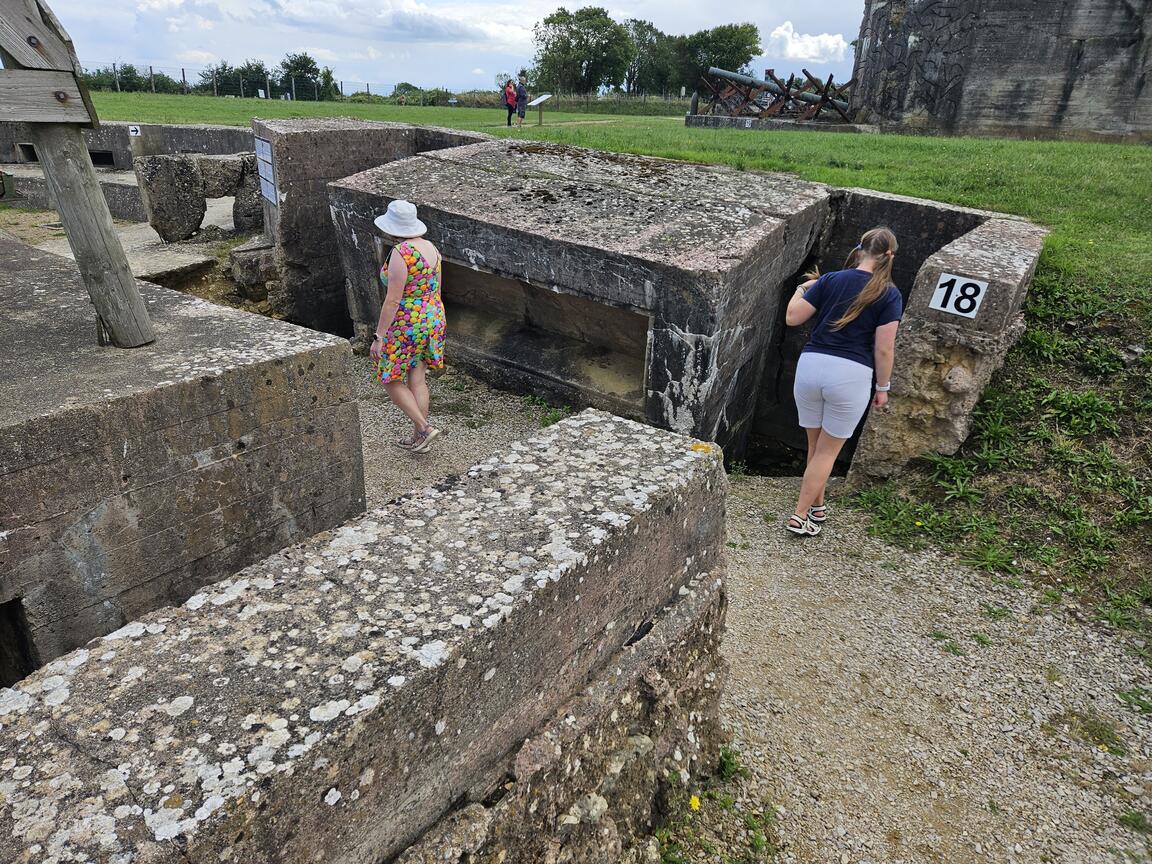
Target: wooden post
column 268, row 84
column 42, row 85
column 152, row 79
column 184, row 80
column 214, row 93
column 293, row 88
column 84, row 213
column 241, row 86
column 116, row 77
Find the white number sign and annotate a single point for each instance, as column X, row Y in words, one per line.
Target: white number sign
column 958, row 295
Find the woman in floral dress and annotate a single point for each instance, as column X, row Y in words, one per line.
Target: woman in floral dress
column 410, row 334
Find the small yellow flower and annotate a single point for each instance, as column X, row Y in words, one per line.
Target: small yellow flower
column 694, row 802
column 919, row 524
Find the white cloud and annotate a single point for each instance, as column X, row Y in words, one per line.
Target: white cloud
column 204, row 58
column 478, row 71
column 786, row 43
column 158, row 5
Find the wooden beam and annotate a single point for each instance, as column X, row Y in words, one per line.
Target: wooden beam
column 84, row 213
column 29, row 41
column 33, row 96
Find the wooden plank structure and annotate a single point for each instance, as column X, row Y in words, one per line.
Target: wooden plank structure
column 739, row 95
column 41, row 84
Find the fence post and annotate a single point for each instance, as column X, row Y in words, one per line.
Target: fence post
column 184, row 80
column 341, row 88
column 152, row 79
column 116, row 76
column 293, row 88
column 268, row 84
column 214, row 92
column 316, row 91
column 368, row 88
column 241, row 86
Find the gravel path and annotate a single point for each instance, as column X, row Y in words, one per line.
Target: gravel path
column 899, row 707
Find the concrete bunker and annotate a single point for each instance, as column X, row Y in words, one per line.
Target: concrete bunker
column 524, row 671
column 557, row 255
column 134, row 479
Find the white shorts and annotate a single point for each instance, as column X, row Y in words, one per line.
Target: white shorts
column 831, row 393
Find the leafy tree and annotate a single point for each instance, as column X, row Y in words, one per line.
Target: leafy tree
column 581, row 51
column 222, row 74
column 254, row 75
column 406, row 90
column 329, row 89
column 650, row 65
column 306, row 72
column 729, row 46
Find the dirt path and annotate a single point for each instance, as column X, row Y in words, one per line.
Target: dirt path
column 901, row 708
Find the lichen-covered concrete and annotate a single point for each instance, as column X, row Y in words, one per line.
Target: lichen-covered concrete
column 306, row 155
column 132, row 478
column 119, row 187
column 1061, row 68
column 540, row 632
column 699, row 251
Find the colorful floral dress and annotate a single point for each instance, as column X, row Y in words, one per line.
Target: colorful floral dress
column 417, row 331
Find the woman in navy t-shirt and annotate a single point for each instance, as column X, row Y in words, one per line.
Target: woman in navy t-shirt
column 857, row 311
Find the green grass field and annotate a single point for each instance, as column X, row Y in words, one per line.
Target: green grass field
column 1056, row 481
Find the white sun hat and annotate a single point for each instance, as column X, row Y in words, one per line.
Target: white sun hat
column 401, row 221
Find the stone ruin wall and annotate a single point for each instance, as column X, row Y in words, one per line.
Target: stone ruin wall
column 1060, row 69
column 518, row 665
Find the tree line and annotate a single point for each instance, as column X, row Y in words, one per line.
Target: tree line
column 586, row 51
column 297, row 74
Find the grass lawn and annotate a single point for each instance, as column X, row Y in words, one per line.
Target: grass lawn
column 1056, row 481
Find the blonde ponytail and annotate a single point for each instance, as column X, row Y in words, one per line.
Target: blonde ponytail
column 880, row 244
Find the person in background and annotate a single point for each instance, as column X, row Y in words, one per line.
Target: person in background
column 521, row 101
column 510, row 99
column 410, row 333
column 857, row 311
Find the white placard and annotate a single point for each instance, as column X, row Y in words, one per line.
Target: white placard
column 958, row 295
column 539, row 100
column 263, row 149
column 268, row 190
column 134, row 131
column 264, row 169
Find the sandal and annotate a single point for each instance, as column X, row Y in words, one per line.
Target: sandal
column 818, row 513
column 407, row 443
column 801, row 527
column 423, row 441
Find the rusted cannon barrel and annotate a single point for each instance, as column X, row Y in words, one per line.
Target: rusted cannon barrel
column 749, row 81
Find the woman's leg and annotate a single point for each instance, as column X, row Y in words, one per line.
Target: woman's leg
column 418, row 385
column 403, row 399
column 813, row 438
column 821, row 461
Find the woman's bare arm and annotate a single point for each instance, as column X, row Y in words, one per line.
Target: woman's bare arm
column 885, row 354
column 799, row 309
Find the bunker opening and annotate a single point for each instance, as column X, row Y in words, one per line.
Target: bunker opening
column 28, row 152
column 777, row 444
column 17, row 654
column 561, row 347
column 102, row 158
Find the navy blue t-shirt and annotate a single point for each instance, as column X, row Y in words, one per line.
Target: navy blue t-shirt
column 832, row 294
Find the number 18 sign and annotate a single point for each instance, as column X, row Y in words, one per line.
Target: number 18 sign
column 958, row 295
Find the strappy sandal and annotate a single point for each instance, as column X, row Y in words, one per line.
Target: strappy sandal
column 423, row 441
column 801, row 527
column 407, row 443
column 818, row 513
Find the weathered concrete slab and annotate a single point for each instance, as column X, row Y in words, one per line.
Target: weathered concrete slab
column 113, row 144
column 536, row 638
column 772, row 124
column 132, row 478
column 306, row 155
column 172, row 189
column 700, row 252
column 119, row 188
column 1061, row 69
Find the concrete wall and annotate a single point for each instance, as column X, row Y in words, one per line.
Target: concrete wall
column 306, row 156
column 1065, row 68
column 442, row 679
column 155, row 139
column 120, row 191
column 132, row 478
column 699, row 252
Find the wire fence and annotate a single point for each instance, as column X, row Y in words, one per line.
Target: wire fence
column 253, row 81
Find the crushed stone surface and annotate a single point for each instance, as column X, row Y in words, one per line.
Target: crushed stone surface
column 901, row 708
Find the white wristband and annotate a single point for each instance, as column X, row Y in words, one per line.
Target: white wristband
column 885, row 388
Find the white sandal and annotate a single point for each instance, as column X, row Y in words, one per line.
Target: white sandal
column 424, row 440
column 801, row 527
column 822, row 509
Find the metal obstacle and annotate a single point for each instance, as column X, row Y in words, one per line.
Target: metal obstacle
column 736, row 95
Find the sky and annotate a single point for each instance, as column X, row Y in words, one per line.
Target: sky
column 435, row 43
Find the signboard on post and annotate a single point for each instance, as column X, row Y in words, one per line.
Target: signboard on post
column 538, row 104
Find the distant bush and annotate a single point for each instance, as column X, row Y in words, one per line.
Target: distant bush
column 366, row 99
